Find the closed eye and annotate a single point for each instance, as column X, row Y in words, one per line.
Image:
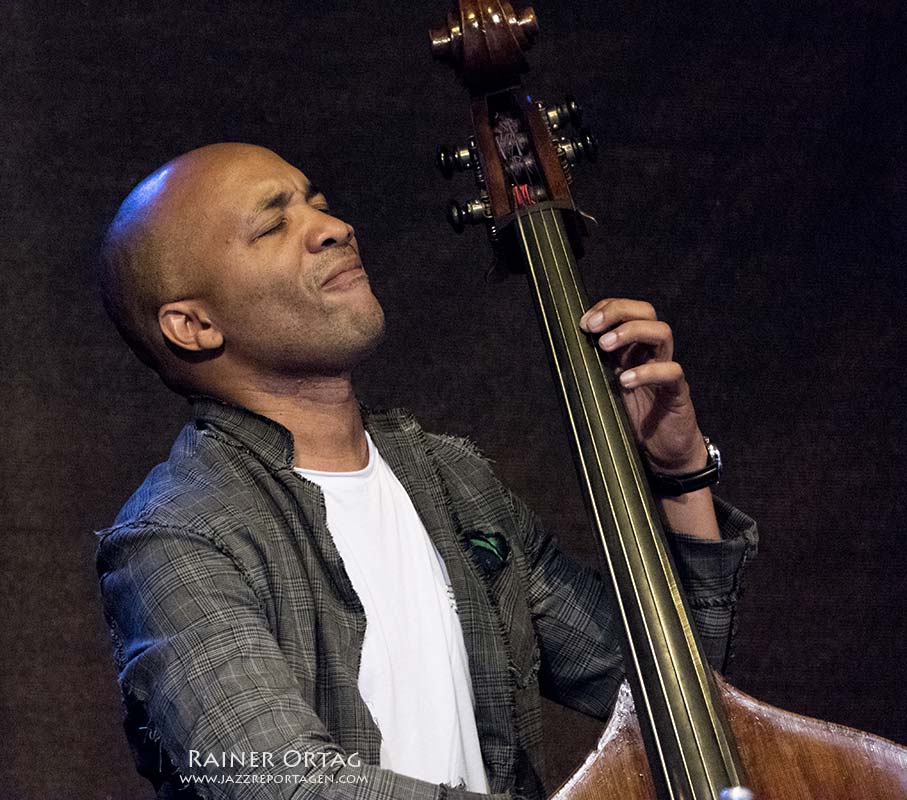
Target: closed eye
column 278, row 226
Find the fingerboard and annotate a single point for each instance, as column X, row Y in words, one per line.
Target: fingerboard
column 690, row 748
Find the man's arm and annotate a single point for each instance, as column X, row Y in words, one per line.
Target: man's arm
column 711, row 573
column 579, row 630
column 194, row 650
column 691, row 512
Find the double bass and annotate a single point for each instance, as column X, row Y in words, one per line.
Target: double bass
column 683, row 732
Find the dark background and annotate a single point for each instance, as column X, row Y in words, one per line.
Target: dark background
column 751, row 184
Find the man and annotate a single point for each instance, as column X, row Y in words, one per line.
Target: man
column 238, row 579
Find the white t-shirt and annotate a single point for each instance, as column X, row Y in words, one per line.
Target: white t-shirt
column 414, row 672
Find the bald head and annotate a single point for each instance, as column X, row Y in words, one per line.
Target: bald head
column 225, row 267
column 150, row 255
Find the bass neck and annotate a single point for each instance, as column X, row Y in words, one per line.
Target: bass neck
column 675, row 693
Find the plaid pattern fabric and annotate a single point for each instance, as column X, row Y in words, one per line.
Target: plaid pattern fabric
column 237, row 631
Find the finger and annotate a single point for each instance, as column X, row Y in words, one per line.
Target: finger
column 665, row 374
column 656, row 335
column 632, row 356
column 593, row 312
column 613, row 310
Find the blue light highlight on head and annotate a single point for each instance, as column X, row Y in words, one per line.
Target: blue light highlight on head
column 140, row 200
column 149, row 188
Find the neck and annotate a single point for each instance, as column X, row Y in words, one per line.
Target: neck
column 323, row 415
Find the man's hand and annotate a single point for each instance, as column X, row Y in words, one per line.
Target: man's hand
column 658, row 402
column 655, row 390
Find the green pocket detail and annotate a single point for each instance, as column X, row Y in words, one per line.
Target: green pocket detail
column 490, row 549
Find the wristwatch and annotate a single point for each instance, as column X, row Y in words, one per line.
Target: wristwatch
column 676, row 485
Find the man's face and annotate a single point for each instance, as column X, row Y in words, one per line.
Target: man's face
column 284, row 283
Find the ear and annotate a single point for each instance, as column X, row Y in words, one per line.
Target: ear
column 187, row 324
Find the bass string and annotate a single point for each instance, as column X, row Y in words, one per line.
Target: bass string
column 723, row 745
column 548, row 330
column 639, row 485
column 620, row 479
column 701, row 669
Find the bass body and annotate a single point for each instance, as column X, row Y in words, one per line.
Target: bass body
column 785, row 756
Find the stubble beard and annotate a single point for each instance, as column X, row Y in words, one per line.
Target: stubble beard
column 339, row 342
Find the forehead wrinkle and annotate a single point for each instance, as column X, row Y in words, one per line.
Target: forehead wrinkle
column 282, row 198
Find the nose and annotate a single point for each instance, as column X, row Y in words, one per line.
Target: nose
column 327, row 231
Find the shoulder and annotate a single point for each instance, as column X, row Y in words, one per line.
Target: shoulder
column 207, row 484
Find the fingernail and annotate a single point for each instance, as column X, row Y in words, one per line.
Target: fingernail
column 626, row 378
column 595, row 320
column 608, row 339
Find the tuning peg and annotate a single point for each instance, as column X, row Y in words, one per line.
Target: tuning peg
column 453, row 159
column 558, row 116
column 469, row 213
column 583, row 147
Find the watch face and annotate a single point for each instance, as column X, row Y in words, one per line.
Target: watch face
column 714, row 454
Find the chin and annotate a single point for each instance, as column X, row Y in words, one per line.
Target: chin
column 355, row 338
column 371, row 333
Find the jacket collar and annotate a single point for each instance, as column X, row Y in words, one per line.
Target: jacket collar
column 266, row 439
column 272, row 443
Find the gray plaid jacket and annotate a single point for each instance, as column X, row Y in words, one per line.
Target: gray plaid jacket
column 237, row 631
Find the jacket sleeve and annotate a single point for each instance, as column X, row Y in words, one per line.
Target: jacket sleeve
column 578, row 631
column 195, row 653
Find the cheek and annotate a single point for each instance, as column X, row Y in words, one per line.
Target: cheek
column 270, row 280
column 246, row 305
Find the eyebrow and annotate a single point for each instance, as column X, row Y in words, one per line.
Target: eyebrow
column 282, row 199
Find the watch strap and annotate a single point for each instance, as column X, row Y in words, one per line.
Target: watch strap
column 676, row 485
